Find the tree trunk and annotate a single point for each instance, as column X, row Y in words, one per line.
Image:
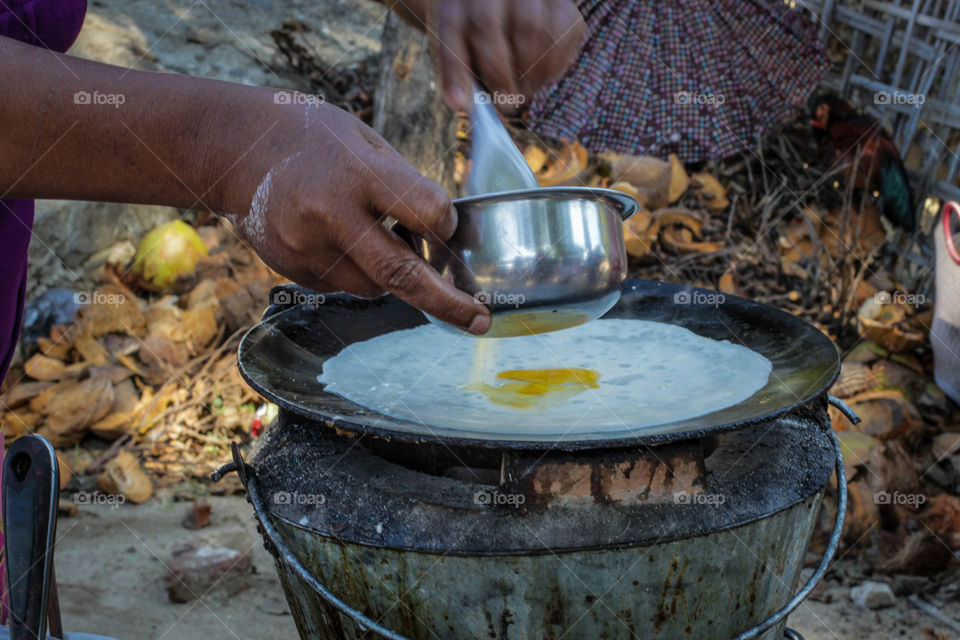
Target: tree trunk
column 408, row 107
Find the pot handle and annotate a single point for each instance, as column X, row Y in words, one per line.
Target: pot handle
column 275, row 545
column 279, row 549
column 947, row 232
column 831, row 549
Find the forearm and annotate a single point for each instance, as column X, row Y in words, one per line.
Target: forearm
column 75, row 129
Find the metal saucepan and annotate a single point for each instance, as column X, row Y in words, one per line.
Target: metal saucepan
column 539, row 259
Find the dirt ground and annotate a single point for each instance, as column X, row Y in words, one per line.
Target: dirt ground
column 111, row 565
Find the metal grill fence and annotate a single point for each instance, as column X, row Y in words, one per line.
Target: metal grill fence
column 901, row 63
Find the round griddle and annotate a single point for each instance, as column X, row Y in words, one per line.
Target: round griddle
column 282, row 356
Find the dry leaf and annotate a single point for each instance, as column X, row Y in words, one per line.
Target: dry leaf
column 679, row 241
column 18, row 423
column 627, row 188
column 847, row 229
column 161, row 353
column 58, row 350
column 39, row 402
column 22, row 392
column 536, row 157
column 200, row 326
column 41, row 367
column 887, row 324
column 565, row 166
column 942, row 515
column 67, row 416
column 90, row 350
column 885, row 414
column 713, row 194
column 124, row 475
column 125, row 397
column 649, row 176
column 728, row 284
column 857, row 449
column 113, row 310
column 112, row 426
column 679, row 180
column 640, row 233
column 682, row 217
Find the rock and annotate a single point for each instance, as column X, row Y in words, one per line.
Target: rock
column 195, row 572
column 873, row 595
column 198, row 516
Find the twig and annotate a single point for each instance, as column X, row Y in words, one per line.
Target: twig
column 933, row 612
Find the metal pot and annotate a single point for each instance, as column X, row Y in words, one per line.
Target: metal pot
column 539, row 259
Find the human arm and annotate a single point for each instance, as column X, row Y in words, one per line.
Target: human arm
column 305, row 183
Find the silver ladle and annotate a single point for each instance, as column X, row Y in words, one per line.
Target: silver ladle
column 497, row 164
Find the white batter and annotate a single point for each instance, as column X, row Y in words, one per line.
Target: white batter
column 649, row 374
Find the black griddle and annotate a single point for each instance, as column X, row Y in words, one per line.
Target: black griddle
column 282, row 356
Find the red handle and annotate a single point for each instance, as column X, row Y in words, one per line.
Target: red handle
column 947, row 234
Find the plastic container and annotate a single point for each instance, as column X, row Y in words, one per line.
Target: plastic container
column 945, row 333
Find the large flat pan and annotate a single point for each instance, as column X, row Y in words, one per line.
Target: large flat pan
column 282, row 356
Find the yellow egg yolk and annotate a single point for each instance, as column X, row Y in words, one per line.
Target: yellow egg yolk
column 533, row 387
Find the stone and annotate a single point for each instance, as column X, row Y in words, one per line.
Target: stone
column 194, row 572
column 873, row 595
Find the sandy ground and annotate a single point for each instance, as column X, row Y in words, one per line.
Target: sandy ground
column 112, row 567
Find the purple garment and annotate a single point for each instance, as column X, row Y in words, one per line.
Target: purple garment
column 52, row 24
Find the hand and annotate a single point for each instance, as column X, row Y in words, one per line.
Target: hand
column 513, row 46
column 316, row 214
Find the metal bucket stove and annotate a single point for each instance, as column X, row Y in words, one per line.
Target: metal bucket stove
column 696, row 529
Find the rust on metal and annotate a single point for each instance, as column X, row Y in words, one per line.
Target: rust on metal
column 643, row 475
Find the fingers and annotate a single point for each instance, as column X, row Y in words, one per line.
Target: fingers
column 525, row 29
column 417, row 202
column 490, row 49
column 392, row 265
column 328, row 271
column 456, row 76
column 345, row 275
